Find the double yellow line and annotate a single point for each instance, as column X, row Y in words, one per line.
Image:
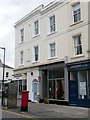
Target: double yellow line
column 19, row 114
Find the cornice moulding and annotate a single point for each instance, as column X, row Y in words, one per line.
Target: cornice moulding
column 40, row 9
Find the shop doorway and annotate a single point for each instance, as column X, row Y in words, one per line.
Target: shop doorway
column 73, row 92
column 35, row 89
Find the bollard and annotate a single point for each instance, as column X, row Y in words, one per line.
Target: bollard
column 24, row 102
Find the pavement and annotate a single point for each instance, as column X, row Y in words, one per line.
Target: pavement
column 42, row 110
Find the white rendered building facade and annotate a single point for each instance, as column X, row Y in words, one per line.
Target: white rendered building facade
column 52, row 48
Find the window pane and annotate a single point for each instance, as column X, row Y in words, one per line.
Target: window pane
column 52, row 50
column 59, row 89
column 21, row 57
column 73, row 75
column 52, row 23
column 36, row 53
column 76, row 12
column 57, row 73
column 36, row 25
column 52, row 89
column 22, row 35
column 82, row 82
column 77, row 45
column 20, row 87
column 24, row 85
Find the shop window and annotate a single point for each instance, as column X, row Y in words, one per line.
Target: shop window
column 58, row 73
column 56, row 89
column 82, row 84
column 73, row 75
column 59, row 90
column 52, row 89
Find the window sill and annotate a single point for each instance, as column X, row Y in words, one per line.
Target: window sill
column 21, row 42
column 35, row 62
column 77, row 56
column 35, row 35
column 52, row 58
column 75, row 23
column 51, row 33
column 21, row 65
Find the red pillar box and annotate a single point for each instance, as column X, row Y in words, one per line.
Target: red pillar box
column 24, row 102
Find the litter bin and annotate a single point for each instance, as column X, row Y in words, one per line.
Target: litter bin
column 24, row 102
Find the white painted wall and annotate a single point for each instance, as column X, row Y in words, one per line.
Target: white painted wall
column 63, row 36
column 30, row 79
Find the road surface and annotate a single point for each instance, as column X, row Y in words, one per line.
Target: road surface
column 9, row 115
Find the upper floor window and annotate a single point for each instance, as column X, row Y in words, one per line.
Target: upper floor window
column 22, row 35
column 21, row 58
column 7, row 74
column 52, row 24
column 77, row 45
column 36, row 53
column 76, row 12
column 36, row 27
column 52, row 50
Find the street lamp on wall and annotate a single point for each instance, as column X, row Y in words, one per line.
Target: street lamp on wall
column 3, row 87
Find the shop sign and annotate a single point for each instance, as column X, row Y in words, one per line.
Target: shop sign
column 86, row 65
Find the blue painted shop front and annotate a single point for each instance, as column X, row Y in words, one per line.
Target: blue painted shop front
column 79, row 83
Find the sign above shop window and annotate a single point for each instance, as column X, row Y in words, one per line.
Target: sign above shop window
column 79, row 66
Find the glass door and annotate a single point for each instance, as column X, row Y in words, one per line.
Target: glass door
column 35, row 90
column 52, row 89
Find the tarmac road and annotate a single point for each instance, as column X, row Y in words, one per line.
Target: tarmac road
column 9, row 115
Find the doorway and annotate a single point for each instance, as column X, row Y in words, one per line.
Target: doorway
column 35, row 89
column 73, row 90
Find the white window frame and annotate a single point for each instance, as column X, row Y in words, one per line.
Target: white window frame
column 33, row 54
column 21, row 58
column 77, row 39
column 52, row 25
column 22, row 35
column 76, row 7
column 36, row 53
column 50, row 56
column 34, row 28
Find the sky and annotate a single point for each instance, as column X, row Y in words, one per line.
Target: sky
column 10, row 12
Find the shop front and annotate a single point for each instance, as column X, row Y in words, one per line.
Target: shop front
column 52, row 82
column 79, row 83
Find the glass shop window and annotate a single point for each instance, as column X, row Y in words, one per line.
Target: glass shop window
column 82, row 84
column 73, row 75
